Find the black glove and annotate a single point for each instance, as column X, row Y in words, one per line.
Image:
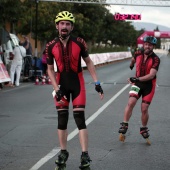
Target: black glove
column 59, row 95
column 134, row 79
column 131, row 67
column 98, row 87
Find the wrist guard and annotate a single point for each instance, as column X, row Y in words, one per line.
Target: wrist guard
column 98, row 87
column 131, row 67
column 59, row 95
column 134, row 79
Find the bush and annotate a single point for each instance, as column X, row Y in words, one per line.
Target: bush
column 94, row 50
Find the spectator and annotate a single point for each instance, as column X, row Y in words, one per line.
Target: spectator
column 44, row 62
column 27, row 45
column 28, row 59
column 16, row 66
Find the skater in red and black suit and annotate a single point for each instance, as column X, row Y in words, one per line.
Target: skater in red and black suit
column 69, row 84
column 143, row 84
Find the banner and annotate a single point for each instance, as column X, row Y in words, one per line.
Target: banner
column 102, row 58
column 4, row 76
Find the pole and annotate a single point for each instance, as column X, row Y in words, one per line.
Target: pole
column 36, row 32
column 36, row 22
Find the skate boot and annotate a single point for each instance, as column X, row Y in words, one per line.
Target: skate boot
column 122, row 130
column 85, row 162
column 61, row 161
column 145, row 134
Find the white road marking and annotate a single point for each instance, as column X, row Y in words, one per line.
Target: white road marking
column 43, row 160
column 55, row 151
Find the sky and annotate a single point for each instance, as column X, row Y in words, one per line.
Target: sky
column 156, row 15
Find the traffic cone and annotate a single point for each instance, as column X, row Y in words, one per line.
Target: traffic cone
column 37, row 81
column 49, row 81
column 43, row 80
column 45, row 76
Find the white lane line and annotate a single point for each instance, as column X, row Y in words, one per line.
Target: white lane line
column 43, row 160
column 55, row 151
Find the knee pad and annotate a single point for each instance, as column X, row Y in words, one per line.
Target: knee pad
column 62, row 119
column 79, row 119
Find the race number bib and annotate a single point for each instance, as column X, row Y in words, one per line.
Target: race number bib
column 134, row 90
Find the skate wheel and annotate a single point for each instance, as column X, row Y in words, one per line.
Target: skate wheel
column 148, row 141
column 85, row 168
column 122, row 137
column 61, row 167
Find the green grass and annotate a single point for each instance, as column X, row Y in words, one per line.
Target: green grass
column 94, row 50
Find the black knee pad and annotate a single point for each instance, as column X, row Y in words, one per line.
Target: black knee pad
column 80, row 119
column 62, row 119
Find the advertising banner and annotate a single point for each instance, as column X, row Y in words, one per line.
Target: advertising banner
column 4, row 76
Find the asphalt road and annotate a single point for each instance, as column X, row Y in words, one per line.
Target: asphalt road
column 28, row 125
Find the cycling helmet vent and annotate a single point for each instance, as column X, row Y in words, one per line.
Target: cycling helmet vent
column 65, row 16
column 150, row 39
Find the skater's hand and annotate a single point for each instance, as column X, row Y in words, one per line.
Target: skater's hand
column 60, row 97
column 99, row 89
column 133, row 79
column 131, row 67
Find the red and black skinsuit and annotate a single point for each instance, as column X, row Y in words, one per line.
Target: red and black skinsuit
column 69, row 70
column 147, row 88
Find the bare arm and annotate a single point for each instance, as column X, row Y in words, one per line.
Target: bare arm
column 149, row 76
column 132, row 61
column 52, row 77
column 91, row 68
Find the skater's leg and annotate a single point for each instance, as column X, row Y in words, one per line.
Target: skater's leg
column 145, row 115
column 62, row 128
column 144, row 119
column 83, row 137
column 79, row 117
column 127, row 114
column 62, row 136
column 129, row 108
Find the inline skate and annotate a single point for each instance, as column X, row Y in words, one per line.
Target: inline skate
column 61, row 161
column 85, row 162
column 122, row 130
column 145, row 134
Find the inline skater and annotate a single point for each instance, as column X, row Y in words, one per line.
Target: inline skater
column 143, row 84
column 69, row 83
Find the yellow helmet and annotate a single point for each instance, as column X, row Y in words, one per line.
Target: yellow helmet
column 66, row 16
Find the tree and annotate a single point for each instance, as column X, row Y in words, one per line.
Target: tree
column 10, row 12
column 158, row 45
column 91, row 24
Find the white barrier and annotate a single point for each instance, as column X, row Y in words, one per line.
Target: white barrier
column 160, row 51
column 102, row 58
